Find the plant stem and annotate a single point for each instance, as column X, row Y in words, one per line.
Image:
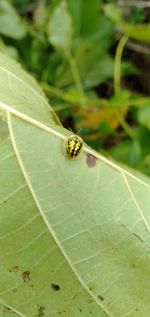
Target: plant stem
column 76, row 76
column 129, row 131
column 117, row 83
column 117, row 63
column 53, row 91
column 104, row 103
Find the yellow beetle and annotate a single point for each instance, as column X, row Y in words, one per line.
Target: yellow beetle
column 73, row 146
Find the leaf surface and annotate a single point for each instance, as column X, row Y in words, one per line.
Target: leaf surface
column 60, row 27
column 11, row 24
column 74, row 235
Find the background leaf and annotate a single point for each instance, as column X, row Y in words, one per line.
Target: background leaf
column 139, row 31
column 11, row 24
column 144, row 116
column 60, row 27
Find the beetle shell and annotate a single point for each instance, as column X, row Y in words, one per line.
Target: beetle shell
column 73, row 146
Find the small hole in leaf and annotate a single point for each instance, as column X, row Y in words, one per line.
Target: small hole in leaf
column 26, row 276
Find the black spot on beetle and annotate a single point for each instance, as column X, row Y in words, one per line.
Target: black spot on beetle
column 26, row 276
column 91, row 160
column 100, row 297
column 55, row 287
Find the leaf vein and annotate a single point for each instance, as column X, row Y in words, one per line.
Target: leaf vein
column 135, row 202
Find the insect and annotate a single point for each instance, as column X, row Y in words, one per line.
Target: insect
column 73, row 146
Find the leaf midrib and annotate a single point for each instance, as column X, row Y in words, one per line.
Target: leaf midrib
column 86, row 149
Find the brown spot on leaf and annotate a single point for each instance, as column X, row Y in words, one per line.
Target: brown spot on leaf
column 100, row 297
column 41, row 311
column 26, row 276
column 90, row 160
column 55, row 287
column 125, row 227
column 6, row 309
column 14, row 269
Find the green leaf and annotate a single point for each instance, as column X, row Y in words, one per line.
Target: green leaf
column 100, row 72
column 144, row 116
column 9, row 50
column 74, row 234
column 60, row 27
column 83, row 12
column 22, row 92
column 94, row 66
column 128, row 152
column 11, row 24
column 144, row 137
column 139, row 32
column 75, row 7
column 89, row 22
column 120, row 98
column 40, row 13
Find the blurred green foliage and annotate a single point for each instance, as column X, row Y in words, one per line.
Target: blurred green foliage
column 78, row 51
